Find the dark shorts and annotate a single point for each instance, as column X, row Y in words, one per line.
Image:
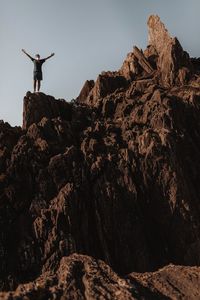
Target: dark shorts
column 37, row 75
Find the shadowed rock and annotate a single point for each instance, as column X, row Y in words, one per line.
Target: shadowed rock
column 106, row 83
column 88, row 86
column 37, row 106
column 82, row 277
column 116, row 179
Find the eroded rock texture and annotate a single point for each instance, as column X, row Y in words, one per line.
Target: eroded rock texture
column 82, row 277
column 173, row 63
column 113, row 175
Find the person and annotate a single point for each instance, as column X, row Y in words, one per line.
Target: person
column 37, row 72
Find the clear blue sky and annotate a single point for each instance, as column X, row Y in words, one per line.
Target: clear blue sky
column 87, row 36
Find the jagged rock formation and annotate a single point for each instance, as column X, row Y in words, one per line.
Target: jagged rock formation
column 113, row 175
column 163, row 54
column 82, row 277
column 88, row 86
column 36, row 108
column 135, row 63
column 173, row 63
column 164, row 60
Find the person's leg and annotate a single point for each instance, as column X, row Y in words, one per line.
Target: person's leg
column 34, row 85
column 39, row 84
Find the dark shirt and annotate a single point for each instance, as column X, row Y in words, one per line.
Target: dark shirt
column 38, row 65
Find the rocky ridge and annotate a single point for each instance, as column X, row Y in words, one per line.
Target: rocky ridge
column 107, row 184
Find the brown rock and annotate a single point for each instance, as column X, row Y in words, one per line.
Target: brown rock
column 171, row 56
column 37, row 106
column 171, row 282
column 116, row 179
column 86, row 89
column 142, row 60
column 83, row 277
column 106, row 83
column 135, row 64
column 130, row 67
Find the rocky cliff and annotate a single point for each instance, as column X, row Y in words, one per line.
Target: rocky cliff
column 98, row 194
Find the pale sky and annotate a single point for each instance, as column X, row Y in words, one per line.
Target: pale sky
column 87, row 36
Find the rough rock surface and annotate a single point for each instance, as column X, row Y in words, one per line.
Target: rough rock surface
column 88, row 86
column 35, row 108
column 83, row 277
column 114, row 176
column 172, row 60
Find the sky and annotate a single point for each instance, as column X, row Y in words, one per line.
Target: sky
column 87, row 37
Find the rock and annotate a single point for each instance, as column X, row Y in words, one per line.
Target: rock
column 8, row 138
column 88, row 86
column 164, row 54
column 37, row 106
column 151, row 54
column 196, row 64
column 135, row 63
column 183, row 75
column 171, row 282
column 171, row 57
column 105, row 187
column 106, row 83
column 130, row 67
column 143, row 62
column 77, row 275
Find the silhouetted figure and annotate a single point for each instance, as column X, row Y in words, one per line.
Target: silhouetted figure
column 37, row 72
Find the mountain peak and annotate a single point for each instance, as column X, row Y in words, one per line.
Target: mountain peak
column 158, row 35
column 173, row 63
column 164, row 60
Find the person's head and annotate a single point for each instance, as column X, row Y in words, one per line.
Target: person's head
column 37, row 56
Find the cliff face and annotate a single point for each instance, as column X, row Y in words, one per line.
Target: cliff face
column 113, row 175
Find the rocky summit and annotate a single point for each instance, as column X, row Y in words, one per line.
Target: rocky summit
column 99, row 197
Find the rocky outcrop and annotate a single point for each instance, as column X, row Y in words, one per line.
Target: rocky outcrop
column 35, row 108
column 173, row 63
column 135, row 64
column 142, row 61
column 113, row 175
column 84, row 93
column 171, row 282
column 83, row 277
column 164, row 54
column 106, row 83
column 164, row 60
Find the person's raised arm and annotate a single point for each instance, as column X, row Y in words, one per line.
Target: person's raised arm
column 52, row 54
column 27, row 54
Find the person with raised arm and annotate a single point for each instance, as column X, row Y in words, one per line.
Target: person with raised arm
column 37, row 72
